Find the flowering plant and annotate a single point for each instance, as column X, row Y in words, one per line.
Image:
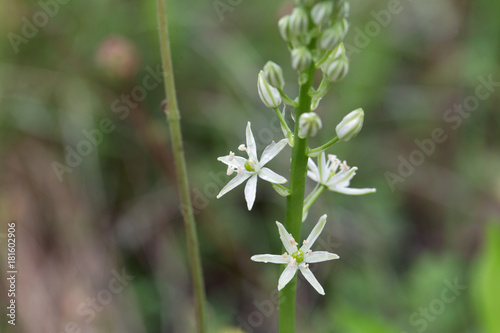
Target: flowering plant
column 314, row 32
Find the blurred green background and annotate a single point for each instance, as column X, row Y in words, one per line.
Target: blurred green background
column 420, row 255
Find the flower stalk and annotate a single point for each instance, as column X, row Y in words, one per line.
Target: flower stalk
column 174, row 121
column 295, row 202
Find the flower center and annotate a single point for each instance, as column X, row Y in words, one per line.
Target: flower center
column 250, row 165
column 299, row 256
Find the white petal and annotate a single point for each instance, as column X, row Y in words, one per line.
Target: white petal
column 343, row 178
column 314, row 172
column 272, row 258
column 234, row 182
column 235, row 162
column 250, row 191
column 285, row 239
column 318, row 228
column 251, row 147
column 313, row 176
column 323, row 168
column 312, row 280
column 319, row 256
column 270, row 176
column 353, row 191
column 286, row 276
column 271, row 151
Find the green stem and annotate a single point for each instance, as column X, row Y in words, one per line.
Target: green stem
column 312, row 198
column 284, row 124
column 286, row 99
column 294, row 204
column 174, row 120
column 315, row 151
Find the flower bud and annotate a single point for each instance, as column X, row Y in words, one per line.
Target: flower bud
column 322, row 12
column 342, row 9
column 274, row 75
column 335, row 68
column 309, row 125
column 269, row 95
column 284, row 27
column 301, row 58
column 332, row 36
column 299, row 22
column 350, row 126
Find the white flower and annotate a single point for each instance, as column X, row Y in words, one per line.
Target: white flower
column 327, row 175
column 298, row 259
column 251, row 168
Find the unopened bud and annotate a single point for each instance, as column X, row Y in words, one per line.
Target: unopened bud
column 299, row 22
column 332, row 36
column 301, row 58
column 284, row 27
column 274, row 75
column 350, row 126
column 335, row 68
column 342, row 9
column 309, row 125
column 269, row 95
column 322, row 12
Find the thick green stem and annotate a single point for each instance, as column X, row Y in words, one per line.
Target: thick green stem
column 174, row 120
column 294, row 204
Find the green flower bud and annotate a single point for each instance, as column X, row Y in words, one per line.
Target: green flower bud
column 342, row 9
column 336, row 69
column 309, row 125
column 322, row 12
column 299, row 22
column 274, row 75
column 301, row 58
column 351, row 125
column 269, row 95
column 332, row 36
column 284, row 27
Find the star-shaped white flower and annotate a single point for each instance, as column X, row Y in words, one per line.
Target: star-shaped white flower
column 328, row 174
column 251, row 168
column 298, row 259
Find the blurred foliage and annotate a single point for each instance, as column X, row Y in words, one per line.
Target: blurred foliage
column 118, row 207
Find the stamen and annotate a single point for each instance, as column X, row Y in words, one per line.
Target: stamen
column 239, row 170
column 305, row 242
column 231, row 155
column 242, row 147
column 292, row 262
column 284, row 255
column 309, row 252
column 344, row 166
column 230, row 170
column 292, row 241
column 307, row 266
